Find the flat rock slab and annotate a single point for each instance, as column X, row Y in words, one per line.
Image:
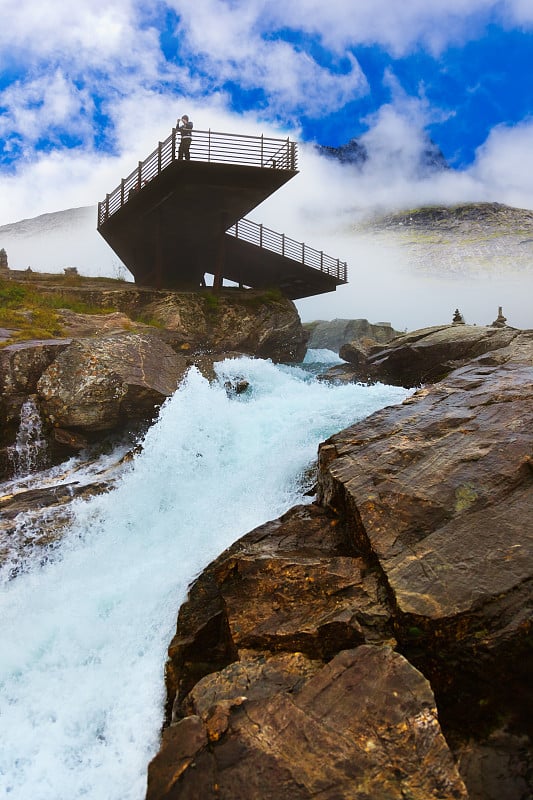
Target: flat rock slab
column 363, row 726
column 441, row 491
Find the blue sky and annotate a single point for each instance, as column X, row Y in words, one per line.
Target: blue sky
column 89, row 88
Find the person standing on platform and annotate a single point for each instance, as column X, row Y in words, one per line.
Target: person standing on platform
column 184, row 125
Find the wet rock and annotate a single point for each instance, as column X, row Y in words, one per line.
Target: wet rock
column 96, row 383
column 247, row 661
column 364, row 725
column 295, row 584
column 69, row 439
column 422, row 356
column 441, row 487
column 21, row 366
column 438, row 492
column 420, row 540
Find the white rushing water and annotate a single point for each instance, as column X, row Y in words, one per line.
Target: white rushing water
column 84, row 637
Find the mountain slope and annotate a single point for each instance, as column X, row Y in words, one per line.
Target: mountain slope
column 51, row 242
column 470, row 239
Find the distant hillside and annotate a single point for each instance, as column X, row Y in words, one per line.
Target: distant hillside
column 470, row 239
column 51, row 242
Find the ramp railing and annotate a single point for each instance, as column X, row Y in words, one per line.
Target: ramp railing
column 208, row 146
column 260, row 236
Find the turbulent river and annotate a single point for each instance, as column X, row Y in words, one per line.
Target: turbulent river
column 85, row 633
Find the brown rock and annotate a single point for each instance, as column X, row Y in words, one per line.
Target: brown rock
column 95, row 383
column 254, row 322
column 442, row 488
column 295, row 584
column 424, row 535
column 498, row 767
column 80, row 325
column 363, row 726
column 423, row 356
column 439, row 492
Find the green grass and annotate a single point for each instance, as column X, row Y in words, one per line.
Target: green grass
column 212, row 303
column 33, row 315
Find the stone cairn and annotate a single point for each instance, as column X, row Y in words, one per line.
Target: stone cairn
column 458, row 318
column 4, row 268
column 500, row 321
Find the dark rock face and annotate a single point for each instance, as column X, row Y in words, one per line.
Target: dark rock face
column 353, row 152
column 334, row 334
column 298, row 657
column 257, row 713
column 419, row 357
column 21, row 366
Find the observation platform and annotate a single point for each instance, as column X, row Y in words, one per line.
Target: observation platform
column 173, row 221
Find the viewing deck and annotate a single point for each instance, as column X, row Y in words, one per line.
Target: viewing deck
column 173, row 221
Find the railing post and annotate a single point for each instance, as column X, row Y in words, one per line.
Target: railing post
column 293, row 156
column 106, row 206
column 159, row 146
column 261, row 235
column 173, row 144
column 282, row 244
column 209, row 145
column 303, row 252
column 237, row 229
column 122, row 192
column 262, row 149
column 321, row 261
column 139, row 174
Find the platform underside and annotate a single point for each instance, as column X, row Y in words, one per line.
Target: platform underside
column 172, row 232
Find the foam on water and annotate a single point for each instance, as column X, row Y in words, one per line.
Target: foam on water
column 85, row 637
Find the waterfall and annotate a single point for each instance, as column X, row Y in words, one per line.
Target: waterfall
column 29, row 453
column 84, row 636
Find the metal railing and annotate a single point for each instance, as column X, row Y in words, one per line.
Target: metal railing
column 220, row 148
column 258, row 235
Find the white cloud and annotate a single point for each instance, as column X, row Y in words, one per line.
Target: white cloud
column 504, row 164
column 232, row 44
column 41, row 106
column 219, row 29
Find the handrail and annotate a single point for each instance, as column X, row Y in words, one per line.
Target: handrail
column 211, row 146
column 260, row 236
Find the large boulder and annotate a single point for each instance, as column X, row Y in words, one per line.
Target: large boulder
column 363, row 726
column 422, row 356
column 282, row 682
column 21, row 366
column 94, row 384
column 333, row 334
column 439, row 494
column 254, row 322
